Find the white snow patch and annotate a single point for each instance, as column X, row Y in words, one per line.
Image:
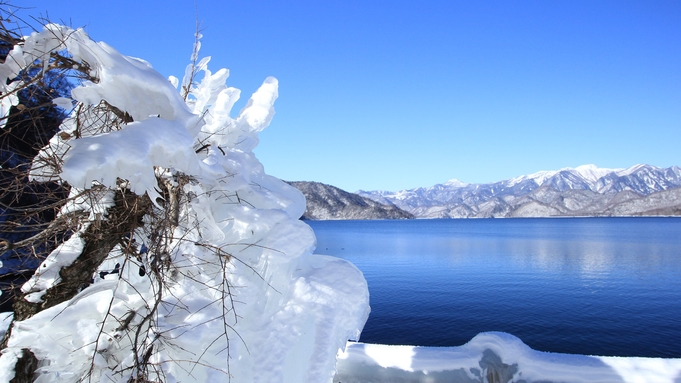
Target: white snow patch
column 47, row 274
column 538, row 177
column 633, row 169
column 456, row 183
column 63, row 102
column 592, row 172
column 131, row 154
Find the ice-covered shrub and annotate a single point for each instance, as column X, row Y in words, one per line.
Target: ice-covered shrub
column 182, row 260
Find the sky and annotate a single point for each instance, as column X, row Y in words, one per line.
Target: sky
column 393, row 95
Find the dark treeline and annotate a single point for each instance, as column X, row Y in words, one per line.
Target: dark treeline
column 26, row 207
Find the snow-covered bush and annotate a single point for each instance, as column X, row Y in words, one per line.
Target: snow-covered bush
column 181, row 260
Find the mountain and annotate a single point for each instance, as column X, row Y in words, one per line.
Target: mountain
column 326, row 202
column 583, row 191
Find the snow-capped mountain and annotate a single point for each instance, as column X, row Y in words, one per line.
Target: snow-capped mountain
column 585, row 190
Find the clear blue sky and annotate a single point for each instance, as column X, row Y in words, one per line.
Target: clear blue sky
column 399, row 94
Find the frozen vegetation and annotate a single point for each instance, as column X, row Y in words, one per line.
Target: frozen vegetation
column 211, row 276
column 218, row 281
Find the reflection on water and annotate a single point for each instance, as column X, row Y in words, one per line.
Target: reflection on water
column 591, row 259
column 591, row 286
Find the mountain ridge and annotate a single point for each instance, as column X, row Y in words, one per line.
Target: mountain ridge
column 583, row 191
column 326, row 202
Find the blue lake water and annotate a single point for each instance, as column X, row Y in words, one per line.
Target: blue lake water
column 598, row 286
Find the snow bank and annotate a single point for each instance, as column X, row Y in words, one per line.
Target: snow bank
column 241, row 299
column 495, row 357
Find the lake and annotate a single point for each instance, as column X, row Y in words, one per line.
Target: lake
column 595, row 286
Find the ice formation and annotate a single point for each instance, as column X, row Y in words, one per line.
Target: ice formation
column 245, row 299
